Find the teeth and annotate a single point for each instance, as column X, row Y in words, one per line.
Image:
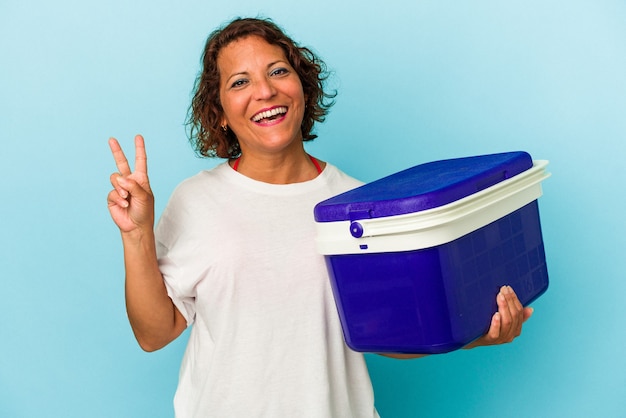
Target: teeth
column 269, row 113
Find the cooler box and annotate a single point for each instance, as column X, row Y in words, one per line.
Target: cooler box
column 417, row 258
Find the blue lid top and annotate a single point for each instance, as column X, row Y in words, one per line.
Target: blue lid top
column 422, row 187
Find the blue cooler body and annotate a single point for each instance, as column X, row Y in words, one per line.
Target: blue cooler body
column 416, row 258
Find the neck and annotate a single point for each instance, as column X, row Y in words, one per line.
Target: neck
column 278, row 169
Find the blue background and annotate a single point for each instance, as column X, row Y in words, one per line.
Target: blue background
column 417, row 81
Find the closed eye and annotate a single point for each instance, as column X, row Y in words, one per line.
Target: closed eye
column 239, row 83
column 279, row 71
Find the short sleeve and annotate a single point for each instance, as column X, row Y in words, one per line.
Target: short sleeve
column 182, row 297
column 174, row 256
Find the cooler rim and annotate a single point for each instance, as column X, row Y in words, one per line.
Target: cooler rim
column 434, row 226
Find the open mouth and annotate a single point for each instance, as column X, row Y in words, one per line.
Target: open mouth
column 269, row 115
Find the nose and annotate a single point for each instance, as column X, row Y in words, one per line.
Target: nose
column 264, row 89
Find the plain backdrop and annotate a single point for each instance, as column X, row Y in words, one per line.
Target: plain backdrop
column 417, row 81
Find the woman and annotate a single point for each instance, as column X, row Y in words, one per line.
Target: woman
column 233, row 253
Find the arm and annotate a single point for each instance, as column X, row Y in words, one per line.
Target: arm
column 506, row 324
column 153, row 317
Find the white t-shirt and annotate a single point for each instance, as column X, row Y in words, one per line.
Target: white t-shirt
column 239, row 261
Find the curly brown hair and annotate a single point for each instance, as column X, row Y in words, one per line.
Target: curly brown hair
column 206, row 135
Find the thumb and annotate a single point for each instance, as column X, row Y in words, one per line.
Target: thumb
column 528, row 312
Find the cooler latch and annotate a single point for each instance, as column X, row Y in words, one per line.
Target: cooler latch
column 356, row 229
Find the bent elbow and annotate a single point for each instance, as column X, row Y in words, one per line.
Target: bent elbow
column 153, row 339
column 150, row 346
column 149, row 342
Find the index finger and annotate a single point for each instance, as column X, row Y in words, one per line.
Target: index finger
column 120, row 159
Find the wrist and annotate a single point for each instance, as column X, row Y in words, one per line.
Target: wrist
column 137, row 236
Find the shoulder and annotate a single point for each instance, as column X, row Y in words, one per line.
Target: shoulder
column 338, row 179
column 190, row 201
column 203, row 180
column 194, row 193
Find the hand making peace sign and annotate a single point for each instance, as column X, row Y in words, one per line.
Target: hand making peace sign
column 131, row 202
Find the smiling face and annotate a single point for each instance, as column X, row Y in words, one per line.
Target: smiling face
column 261, row 96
